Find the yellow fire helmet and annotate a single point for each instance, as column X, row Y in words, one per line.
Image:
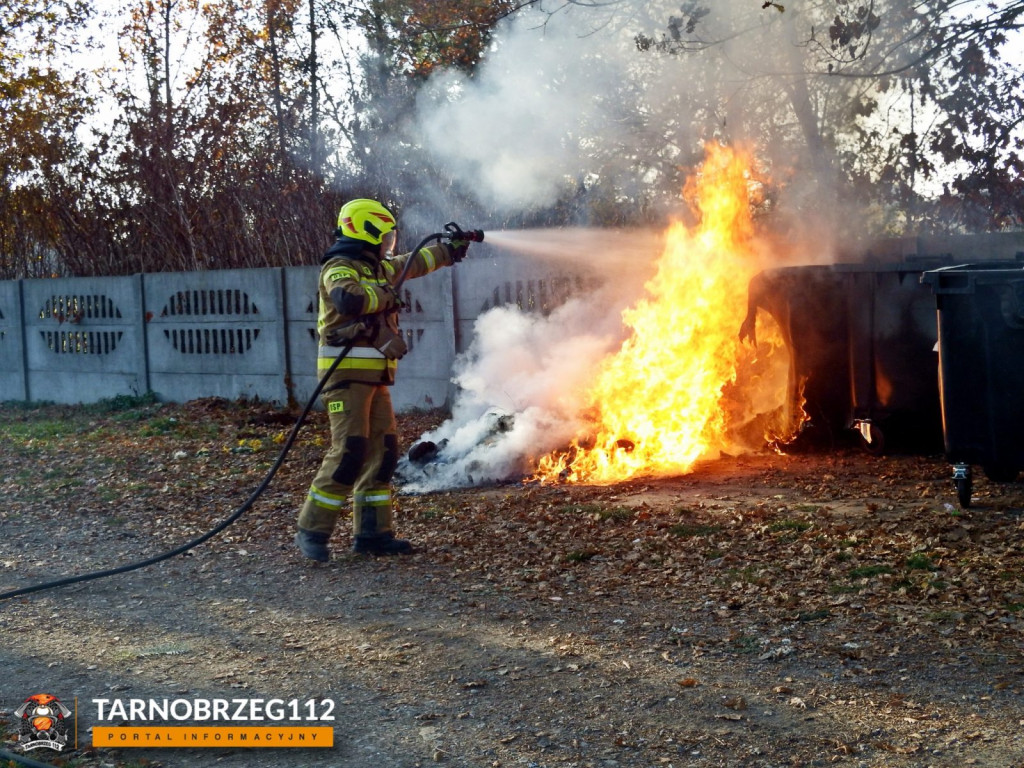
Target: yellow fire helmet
column 366, row 220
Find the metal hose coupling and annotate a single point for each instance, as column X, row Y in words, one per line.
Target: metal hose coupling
column 453, row 231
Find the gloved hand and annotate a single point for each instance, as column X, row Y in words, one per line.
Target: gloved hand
column 388, row 341
column 458, row 250
column 339, row 336
column 389, row 298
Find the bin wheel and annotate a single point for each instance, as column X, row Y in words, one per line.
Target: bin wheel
column 999, row 474
column 872, row 439
column 963, row 481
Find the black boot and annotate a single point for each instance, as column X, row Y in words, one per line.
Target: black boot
column 313, row 544
column 380, row 544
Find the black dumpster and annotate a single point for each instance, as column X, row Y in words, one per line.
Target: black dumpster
column 804, row 301
column 861, row 337
column 894, row 393
column 981, row 368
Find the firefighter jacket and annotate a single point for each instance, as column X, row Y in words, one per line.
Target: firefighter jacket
column 354, row 294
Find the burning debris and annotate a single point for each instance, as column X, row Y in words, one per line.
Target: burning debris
column 427, row 451
column 466, row 457
column 671, row 384
column 683, row 383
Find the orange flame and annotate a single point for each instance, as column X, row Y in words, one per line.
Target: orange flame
column 683, row 386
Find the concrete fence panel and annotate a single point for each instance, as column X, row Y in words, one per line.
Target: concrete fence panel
column 426, row 320
column 13, row 384
column 216, row 333
column 83, row 338
column 424, row 379
column 300, row 300
column 482, row 284
column 424, row 374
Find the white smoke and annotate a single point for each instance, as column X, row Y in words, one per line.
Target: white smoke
column 520, row 391
column 521, row 382
column 567, row 98
column 551, row 102
column 556, row 103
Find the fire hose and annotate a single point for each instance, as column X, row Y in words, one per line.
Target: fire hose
column 453, row 233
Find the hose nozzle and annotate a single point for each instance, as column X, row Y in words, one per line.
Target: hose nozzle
column 454, row 232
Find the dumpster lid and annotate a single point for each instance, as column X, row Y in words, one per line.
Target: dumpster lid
column 910, row 263
column 962, row 278
column 916, row 264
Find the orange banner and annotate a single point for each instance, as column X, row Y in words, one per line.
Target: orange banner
column 213, row 736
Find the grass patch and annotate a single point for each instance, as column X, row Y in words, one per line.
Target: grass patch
column 108, row 495
column 161, row 425
column 580, row 555
column 40, row 429
column 746, row 575
column 809, row 508
column 869, row 571
column 789, row 525
column 44, row 422
column 120, row 404
column 744, row 643
column 617, row 514
column 919, row 561
column 152, row 425
column 843, row 589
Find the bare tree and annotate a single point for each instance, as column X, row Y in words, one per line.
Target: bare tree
column 910, row 111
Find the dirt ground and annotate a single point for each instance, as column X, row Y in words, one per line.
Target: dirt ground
column 817, row 609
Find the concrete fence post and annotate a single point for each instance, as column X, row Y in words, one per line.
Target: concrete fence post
column 13, row 382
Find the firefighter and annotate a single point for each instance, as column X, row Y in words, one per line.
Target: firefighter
column 358, row 304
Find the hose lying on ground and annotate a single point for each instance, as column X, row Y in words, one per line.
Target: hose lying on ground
column 452, row 232
column 245, row 507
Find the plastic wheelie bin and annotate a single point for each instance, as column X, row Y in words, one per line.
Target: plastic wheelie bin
column 981, row 368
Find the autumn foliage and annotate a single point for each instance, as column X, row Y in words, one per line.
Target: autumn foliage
column 177, row 134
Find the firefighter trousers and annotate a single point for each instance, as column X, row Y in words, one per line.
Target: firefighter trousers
column 357, row 469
